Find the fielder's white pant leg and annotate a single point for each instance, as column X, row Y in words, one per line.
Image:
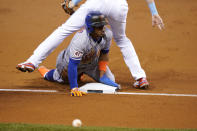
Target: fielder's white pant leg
column 74, row 23
column 118, row 25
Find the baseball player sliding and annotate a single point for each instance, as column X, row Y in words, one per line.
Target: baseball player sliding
column 86, row 54
column 116, row 14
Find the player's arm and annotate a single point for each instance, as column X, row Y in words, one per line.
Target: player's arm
column 75, row 56
column 72, row 77
column 156, row 19
column 103, row 62
column 72, row 73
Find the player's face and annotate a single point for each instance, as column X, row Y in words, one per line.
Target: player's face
column 98, row 32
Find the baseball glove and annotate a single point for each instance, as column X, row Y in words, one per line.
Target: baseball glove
column 67, row 9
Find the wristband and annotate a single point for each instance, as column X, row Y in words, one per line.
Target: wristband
column 153, row 8
column 103, row 65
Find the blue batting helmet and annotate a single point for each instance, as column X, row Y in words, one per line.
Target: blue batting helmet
column 94, row 19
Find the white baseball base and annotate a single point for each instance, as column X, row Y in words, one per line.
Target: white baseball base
column 98, row 88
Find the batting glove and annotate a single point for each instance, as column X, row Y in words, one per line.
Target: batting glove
column 105, row 80
column 76, row 92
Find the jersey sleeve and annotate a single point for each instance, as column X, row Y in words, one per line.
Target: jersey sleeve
column 72, row 73
column 77, row 46
column 108, row 38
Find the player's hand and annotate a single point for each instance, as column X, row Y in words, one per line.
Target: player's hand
column 105, row 80
column 76, row 92
column 157, row 21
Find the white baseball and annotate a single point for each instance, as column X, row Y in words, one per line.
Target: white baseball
column 76, row 123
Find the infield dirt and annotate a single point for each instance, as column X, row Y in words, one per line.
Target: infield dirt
column 168, row 57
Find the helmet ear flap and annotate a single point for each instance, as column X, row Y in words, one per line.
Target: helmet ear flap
column 91, row 29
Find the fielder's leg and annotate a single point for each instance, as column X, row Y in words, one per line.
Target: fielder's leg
column 74, row 23
column 130, row 57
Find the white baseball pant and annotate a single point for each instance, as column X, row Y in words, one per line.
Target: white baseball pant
column 116, row 13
